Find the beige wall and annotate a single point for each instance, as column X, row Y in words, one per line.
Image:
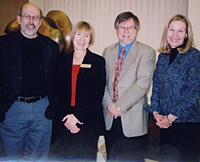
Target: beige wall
column 153, row 15
column 193, row 15
column 36, row 2
column 101, row 14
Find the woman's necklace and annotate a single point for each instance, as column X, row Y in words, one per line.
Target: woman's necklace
column 78, row 57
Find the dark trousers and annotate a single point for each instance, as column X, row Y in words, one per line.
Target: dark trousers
column 183, row 139
column 71, row 147
column 120, row 148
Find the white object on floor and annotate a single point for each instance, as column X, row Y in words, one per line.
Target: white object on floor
column 100, row 157
column 101, row 141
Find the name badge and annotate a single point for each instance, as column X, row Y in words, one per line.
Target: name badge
column 86, row 65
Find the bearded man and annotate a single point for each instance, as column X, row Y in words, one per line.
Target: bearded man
column 26, row 73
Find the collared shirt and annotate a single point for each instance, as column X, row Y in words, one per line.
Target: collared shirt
column 127, row 48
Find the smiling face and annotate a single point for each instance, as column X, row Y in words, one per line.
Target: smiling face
column 29, row 27
column 81, row 40
column 126, row 32
column 176, row 33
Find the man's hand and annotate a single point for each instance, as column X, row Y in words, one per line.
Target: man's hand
column 112, row 110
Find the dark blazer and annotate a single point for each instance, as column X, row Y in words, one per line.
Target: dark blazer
column 10, row 68
column 89, row 91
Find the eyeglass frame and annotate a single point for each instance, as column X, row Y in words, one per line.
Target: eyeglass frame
column 29, row 17
column 129, row 28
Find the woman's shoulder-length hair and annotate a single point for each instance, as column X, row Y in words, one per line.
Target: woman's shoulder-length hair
column 83, row 25
column 188, row 41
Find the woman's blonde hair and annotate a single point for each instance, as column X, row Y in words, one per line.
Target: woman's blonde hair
column 82, row 25
column 188, row 41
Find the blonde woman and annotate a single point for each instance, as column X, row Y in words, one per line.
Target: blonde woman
column 176, row 89
column 80, row 84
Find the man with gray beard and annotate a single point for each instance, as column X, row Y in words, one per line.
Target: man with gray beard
column 27, row 65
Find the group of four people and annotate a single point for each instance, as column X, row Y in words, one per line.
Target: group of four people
column 37, row 85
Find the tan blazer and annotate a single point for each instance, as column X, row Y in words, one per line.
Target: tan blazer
column 135, row 79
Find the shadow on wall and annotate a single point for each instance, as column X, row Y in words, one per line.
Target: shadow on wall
column 55, row 25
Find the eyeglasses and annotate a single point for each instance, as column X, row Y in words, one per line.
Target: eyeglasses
column 129, row 28
column 28, row 17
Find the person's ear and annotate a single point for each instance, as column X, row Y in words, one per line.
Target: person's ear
column 185, row 36
column 19, row 19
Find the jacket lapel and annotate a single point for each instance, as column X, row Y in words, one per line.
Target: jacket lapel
column 86, row 60
column 68, row 68
column 113, row 59
column 17, row 56
column 46, row 53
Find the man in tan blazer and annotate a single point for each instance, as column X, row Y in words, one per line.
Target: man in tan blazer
column 125, row 119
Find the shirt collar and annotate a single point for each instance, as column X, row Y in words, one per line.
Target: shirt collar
column 127, row 47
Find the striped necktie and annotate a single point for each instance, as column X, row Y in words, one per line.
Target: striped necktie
column 118, row 68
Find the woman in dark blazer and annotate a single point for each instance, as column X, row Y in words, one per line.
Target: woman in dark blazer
column 79, row 89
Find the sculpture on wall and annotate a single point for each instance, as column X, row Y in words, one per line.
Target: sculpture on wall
column 55, row 25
